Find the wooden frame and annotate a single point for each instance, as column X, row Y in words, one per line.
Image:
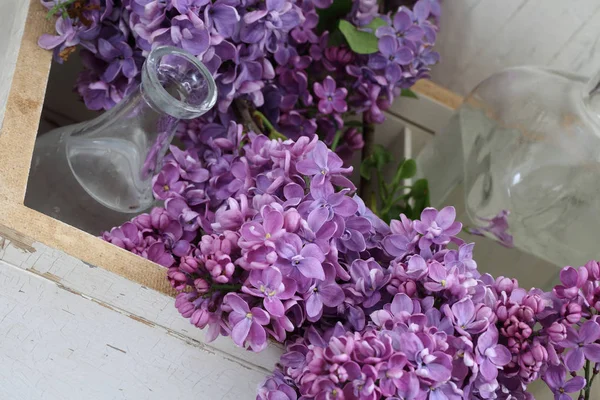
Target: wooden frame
column 24, row 226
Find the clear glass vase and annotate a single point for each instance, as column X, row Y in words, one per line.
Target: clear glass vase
column 531, row 146
column 95, row 174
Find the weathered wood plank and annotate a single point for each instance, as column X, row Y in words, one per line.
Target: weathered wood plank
column 58, row 345
column 134, row 301
column 479, row 38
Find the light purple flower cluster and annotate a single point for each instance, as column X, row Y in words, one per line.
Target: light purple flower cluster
column 484, row 339
column 266, row 239
column 272, row 53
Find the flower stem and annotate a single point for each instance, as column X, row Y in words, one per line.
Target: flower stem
column 586, row 389
column 243, row 112
column 366, row 187
column 336, row 140
column 273, row 133
column 59, row 7
column 225, row 287
column 589, row 386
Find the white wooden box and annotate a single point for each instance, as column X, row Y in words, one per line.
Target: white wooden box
column 80, row 318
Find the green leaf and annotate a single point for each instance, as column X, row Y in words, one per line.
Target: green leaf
column 381, row 157
column 408, row 93
column 394, row 212
column 376, row 23
column 359, row 41
column 420, row 194
column 329, row 16
column 406, row 169
column 366, row 166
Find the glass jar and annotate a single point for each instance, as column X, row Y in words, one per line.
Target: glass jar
column 531, row 144
column 95, row 174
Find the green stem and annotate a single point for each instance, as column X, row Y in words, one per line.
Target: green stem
column 383, row 192
column 589, row 383
column 586, row 389
column 225, row 287
column 391, row 204
column 242, row 110
column 273, row 133
column 58, row 7
column 336, row 140
column 365, row 189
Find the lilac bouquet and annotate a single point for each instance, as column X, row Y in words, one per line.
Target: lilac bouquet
column 292, row 67
column 449, row 334
column 264, row 238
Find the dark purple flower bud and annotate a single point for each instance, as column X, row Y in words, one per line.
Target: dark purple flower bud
column 188, row 264
column 183, row 303
column 201, row 285
column 571, row 312
column 504, row 284
column 572, row 280
column 535, row 302
column 337, row 58
column 557, row 332
column 593, row 270
column 291, row 220
column 143, row 222
column 408, row 287
column 159, row 219
column 515, row 328
column 177, row 278
column 200, row 318
column 531, row 362
column 524, row 313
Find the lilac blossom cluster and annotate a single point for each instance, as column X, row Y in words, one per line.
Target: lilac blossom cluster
column 266, row 239
column 273, row 54
column 430, row 343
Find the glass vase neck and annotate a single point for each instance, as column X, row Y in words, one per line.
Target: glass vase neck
column 176, row 83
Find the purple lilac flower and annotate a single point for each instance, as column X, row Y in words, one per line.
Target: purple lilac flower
column 269, row 284
column 247, row 324
column 432, row 365
column 330, row 206
column 167, row 183
column 323, row 165
column 402, row 27
column 67, row 37
column 119, row 56
column 467, row 318
column 368, row 278
column 391, row 57
column 490, row 355
column 298, row 261
column 582, row 344
column 555, row 378
column 331, row 98
column 438, row 227
column 187, row 31
column 498, row 227
column 263, row 233
column 323, row 293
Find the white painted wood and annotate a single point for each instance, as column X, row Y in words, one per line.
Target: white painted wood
column 13, row 14
column 480, row 37
column 124, row 297
column 58, row 345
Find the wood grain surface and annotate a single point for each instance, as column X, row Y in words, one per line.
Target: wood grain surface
column 480, row 37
